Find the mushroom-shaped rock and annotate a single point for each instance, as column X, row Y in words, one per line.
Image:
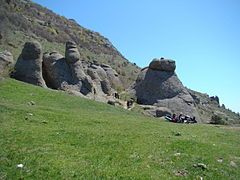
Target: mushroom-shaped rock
column 29, row 64
column 163, row 65
column 6, row 61
column 159, row 86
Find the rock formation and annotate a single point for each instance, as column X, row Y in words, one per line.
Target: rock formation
column 72, row 74
column 159, row 86
column 215, row 98
column 56, row 71
column 29, row 64
column 113, row 77
column 6, row 61
column 100, row 78
column 79, row 78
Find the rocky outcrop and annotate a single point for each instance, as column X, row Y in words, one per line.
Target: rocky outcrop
column 69, row 73
column 159, row 86
column 66, row 73
column 72, row 74
column 6, row 61
column 29, row 64
column 215, row 98
column 209, row 106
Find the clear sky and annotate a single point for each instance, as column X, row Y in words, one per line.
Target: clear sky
column 202, row 36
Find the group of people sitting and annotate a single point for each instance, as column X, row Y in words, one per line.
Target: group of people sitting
column 181, row 118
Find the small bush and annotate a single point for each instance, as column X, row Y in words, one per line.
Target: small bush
column 216, row 119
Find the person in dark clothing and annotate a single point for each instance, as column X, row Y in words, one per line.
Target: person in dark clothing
column 193, row 119
column 181, row 118
column 174, row 118
column 129, row 103
column 116, row 95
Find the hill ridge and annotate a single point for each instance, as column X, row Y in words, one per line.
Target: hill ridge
column 23, row 21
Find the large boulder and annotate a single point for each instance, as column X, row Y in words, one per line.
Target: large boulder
column 159, row 86
column 155, row 85
column 6, row 61
column 56, row 71
column 28, row 67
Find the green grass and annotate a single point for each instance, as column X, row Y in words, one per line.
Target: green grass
column 69, row 137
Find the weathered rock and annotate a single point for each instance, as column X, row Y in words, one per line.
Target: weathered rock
column 80, row 79
column 156, row 111
column 113, row 77
column 179, row 106
column 72, row 54
column 106, row 87
column 99, row 76
column 215, row 98
column 200, row 165
column 163, row 111
column 6, row 61
column 162, row 88
column 76, row 76
column 163, row 65
column 29, row 64
column 233, row 164
column 157, row 85
column 114, row 102
column 111, row 102
column 56, row 71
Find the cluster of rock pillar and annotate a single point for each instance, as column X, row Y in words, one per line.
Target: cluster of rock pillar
column 67, row 73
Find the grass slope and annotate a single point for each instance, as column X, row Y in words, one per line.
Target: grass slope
column 67, row 137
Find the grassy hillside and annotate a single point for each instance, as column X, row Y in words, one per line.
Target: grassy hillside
column 59, row 136
column 23, row 20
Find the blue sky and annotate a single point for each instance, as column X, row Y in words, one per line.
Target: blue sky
column 202, row 36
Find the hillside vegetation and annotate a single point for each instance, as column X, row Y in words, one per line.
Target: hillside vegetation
column 23, row 20
column 208, row 108
column 58, row 136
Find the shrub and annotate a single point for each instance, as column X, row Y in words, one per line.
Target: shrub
column 216, row 119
